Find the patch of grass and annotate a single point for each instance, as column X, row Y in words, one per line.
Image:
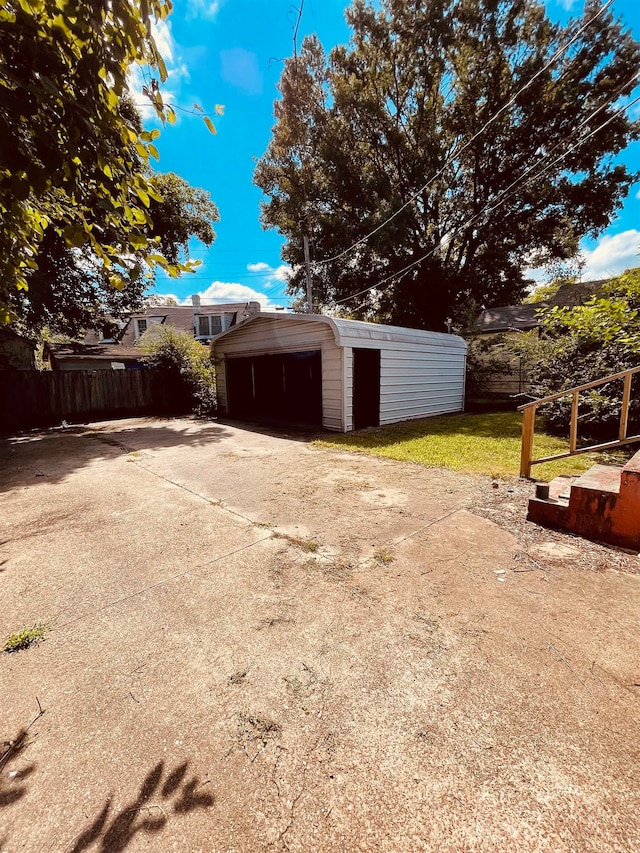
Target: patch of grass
column 23, row 639
column 475, row 443
column 383, row 556
column 304, row 544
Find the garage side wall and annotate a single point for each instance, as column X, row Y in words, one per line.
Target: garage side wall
column 265, row 337
column 416, row 381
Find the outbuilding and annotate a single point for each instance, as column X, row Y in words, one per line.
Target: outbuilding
column 338, row 374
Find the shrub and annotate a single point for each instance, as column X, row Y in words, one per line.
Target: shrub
column 589, row 342
column 187, row 366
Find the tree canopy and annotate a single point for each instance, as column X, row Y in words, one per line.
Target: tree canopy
column 74, row 159
column 70, row 291
column 435, row 113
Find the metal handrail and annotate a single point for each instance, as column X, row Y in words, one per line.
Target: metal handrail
column 529, row 417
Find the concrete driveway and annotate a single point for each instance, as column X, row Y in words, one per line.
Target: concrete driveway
column 255, row 644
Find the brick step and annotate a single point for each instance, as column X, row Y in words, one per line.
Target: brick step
column 603, row 504
column 600, row 478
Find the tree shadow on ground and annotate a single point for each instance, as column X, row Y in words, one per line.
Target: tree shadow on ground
column 176, row 796
column 12, row 787
column 12, row 781
column 50, row 456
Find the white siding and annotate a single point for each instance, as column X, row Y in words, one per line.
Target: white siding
column 221, row 385
column 421, row 373
column 418, row 382
column 264, row 336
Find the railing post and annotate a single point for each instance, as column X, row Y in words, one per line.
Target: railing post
column 624, row 412
column 528, row 425
column 573, row 429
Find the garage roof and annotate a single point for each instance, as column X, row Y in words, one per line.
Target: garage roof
column 355, row 333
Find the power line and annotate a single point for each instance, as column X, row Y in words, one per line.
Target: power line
column 494, row 203
column 478, row 133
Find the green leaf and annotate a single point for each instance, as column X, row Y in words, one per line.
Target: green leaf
column 171, row 115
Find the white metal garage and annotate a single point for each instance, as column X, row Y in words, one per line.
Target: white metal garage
column 341, row 374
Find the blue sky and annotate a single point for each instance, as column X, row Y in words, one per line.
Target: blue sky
column 230, row 52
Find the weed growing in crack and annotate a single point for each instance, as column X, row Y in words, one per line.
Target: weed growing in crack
column 25, row 638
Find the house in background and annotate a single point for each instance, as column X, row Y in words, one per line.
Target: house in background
column 494, row 326
column 120, row 352
column 202, row 321
column 16, row 351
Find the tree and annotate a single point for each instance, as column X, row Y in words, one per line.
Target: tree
column 77, row 158
column 399, row 113
column 70, row 291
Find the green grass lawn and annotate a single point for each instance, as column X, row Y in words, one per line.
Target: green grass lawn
column 476, row 443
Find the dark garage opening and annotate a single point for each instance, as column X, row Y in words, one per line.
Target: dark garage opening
column 366, row 388
column 286, row 387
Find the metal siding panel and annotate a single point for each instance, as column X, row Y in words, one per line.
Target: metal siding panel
column 331, row 386
column 221, row 386
column 347, row 355
column 264, row 336
column 419, row 383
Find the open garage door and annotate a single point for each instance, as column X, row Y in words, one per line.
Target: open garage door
column 285, row 387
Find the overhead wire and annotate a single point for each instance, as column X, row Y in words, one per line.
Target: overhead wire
column 501, row 197
column 466, row 145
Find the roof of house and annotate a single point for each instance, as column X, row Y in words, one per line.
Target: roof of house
column 106, row 352
column 509, row 318
column 577, row 293
column 8, row 332
column 354, row 332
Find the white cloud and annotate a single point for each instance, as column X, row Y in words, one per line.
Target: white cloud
column 203, row 8
column 638, row 194
column 614, row 254
column 229, row 291
column 161, row 32
column 271, row 275
column 177, row 71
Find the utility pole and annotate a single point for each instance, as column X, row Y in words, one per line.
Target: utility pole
column 307, row 265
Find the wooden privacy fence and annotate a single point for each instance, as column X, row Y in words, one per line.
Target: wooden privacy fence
column 38, row 399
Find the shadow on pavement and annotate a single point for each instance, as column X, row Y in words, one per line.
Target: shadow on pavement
column 12, row 787
column 177, row 795
column 49, row 456
column 278, row 429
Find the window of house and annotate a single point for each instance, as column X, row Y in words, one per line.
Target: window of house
column 143, row 323
column 209, row 325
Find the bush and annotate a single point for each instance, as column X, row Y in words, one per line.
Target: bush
column 187, row 365
column 589, row 342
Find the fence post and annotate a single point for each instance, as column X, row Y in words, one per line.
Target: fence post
column 624, row 412
column 573, row 426
column 528, row 424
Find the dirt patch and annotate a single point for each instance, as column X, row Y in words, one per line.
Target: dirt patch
column 505, row 504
